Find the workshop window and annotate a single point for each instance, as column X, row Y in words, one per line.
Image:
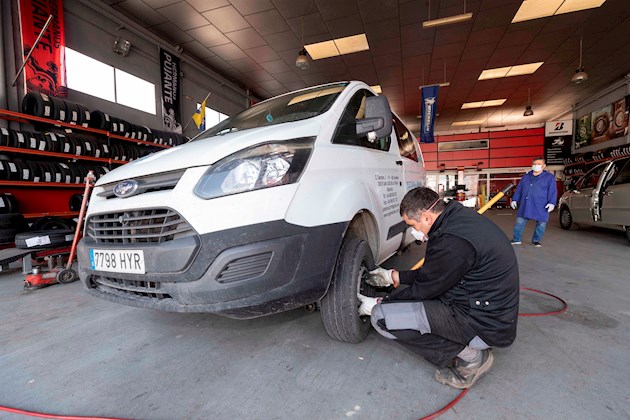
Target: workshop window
column 213, row 117
column 101, row 80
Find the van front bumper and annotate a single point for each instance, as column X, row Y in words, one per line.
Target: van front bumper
column 244, row 272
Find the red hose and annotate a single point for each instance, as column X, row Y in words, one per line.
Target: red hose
column 435, row 415
column 564, row 308
column 52, row 416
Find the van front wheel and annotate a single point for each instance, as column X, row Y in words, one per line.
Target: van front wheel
column 340, row 306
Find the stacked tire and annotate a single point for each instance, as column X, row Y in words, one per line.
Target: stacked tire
column 11, row 221
column 17, row 169
column 44, row 106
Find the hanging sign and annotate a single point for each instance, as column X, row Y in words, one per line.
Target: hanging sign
column 45, row 69
column 169, row 74
column 558, row 136
column 428, row 108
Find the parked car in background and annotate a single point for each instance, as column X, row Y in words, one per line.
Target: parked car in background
column 599, row 198
column 289, row 203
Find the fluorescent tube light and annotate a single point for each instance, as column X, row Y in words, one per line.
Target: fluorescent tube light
column 536, row 9
column 517, row 70
column 377, row 88
column 464, row 123
column 447, row 20
column 338, row 46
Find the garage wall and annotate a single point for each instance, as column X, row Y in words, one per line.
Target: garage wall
column 92, row 32
column 507, row 149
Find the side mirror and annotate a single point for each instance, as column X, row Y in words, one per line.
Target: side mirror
column 378, row 118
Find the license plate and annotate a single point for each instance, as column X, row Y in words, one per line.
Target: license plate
column 118, row 261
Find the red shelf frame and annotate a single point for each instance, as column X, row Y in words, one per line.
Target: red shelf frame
column 39, row 184
column 60, row 155
column 53, row 213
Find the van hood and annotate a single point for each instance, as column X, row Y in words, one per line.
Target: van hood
column 208, row 151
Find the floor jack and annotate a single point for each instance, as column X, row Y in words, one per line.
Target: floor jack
column 38, row 279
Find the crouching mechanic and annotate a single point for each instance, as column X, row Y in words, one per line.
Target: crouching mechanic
column 461, row 302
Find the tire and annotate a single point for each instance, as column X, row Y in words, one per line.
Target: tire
column 53, row 141
column 38, row 104
column 56, row 237
column 12, row 221
column 5, row 137
column 566, row 220
column 51, row 223
column 8, row 235
column 628, row 234
column 8, row 204
column 59, row 109
column 24, row 141
column 84, row 115
column 339, row 308
column 100, row 120
column 74, row 113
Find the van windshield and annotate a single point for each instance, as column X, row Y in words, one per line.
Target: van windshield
column 286, row 108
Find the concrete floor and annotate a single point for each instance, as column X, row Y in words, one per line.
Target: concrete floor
column 67, row 353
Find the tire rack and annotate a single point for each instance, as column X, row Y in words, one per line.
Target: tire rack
column 42, row 189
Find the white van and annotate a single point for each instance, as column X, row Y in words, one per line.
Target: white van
column 286, row 204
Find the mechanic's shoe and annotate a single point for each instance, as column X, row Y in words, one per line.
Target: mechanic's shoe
column 537, row 244
column 460, row 374
column 515, row 242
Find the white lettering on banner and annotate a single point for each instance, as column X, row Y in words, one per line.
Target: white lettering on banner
column 428, row 113
column 170, row 79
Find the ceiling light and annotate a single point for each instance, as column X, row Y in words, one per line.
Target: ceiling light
column 483, row 104
column 580, row 75
column 432, row 23
column 352, row 44
column 338, row 46
column 518, row 70
column 524, row 69
column 494, row 73
column 301, row 61
column 446, row 21
column 463, row 123
column 377, row 88
column 536, row 9
column 528, row 109
column 322, row 50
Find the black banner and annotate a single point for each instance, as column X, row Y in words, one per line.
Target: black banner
column 169, row 71
column 557, row 149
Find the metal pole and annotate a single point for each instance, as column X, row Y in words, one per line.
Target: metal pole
column 41, row 33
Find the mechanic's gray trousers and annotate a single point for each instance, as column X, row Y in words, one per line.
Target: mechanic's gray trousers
column 428, row 328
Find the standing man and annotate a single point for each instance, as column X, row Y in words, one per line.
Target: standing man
column 535, row 197
column 464, row 299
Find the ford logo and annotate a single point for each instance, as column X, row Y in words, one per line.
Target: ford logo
column 126, row 188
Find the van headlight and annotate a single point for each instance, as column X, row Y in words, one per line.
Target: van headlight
column 263, row 166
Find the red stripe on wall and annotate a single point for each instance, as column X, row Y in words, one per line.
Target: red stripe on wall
column 517, row 133
column 509, row 162
column 530, row 152
column 517, row 142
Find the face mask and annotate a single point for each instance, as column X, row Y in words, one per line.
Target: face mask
column 536, row 168
column 419, row 235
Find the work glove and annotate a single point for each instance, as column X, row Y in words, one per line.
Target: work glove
column 367, row 303
column 380, row 277
column 514, row 204
column 550, row 207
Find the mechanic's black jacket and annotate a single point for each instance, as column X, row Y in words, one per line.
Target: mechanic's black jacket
column 471, row 267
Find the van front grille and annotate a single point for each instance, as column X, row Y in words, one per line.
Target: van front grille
column 138, row 226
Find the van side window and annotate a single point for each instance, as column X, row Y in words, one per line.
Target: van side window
column 623, row 177
column 591, row 179
column 346, row 132
column 405, row 140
